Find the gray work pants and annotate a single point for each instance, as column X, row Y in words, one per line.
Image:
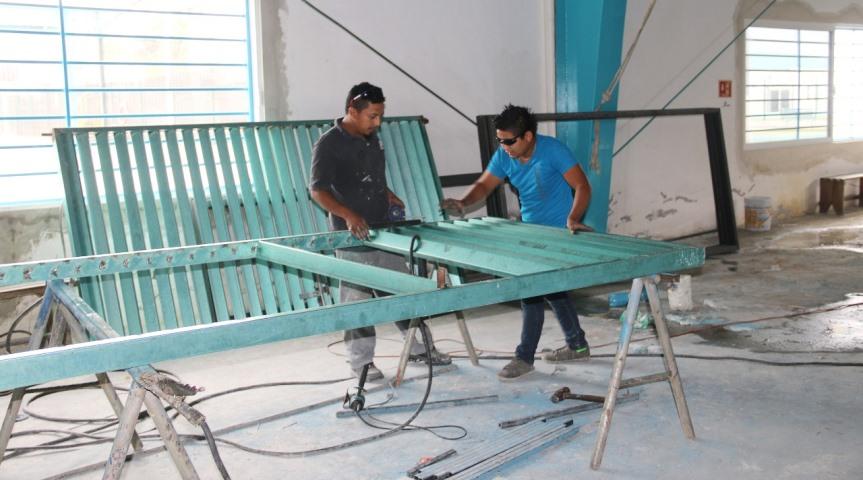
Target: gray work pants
column 360, row 342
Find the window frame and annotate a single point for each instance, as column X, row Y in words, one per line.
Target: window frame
column 829, row 139
column 744, row 71
column 68, row 117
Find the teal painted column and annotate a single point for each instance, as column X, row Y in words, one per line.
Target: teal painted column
column 588, row 44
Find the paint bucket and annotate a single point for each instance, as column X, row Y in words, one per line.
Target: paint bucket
column 757, row 212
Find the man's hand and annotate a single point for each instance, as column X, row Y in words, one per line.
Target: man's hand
column 451, row 205
column 576, row 226
column 357, row 225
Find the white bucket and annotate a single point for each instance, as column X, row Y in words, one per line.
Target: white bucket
column 757, row 211
column 680, row 294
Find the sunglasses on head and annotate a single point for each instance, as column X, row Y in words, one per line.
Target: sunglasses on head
column 508, row 141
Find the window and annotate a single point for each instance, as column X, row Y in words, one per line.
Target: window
column 848, row 84
column 787, row 84
column 91, row 63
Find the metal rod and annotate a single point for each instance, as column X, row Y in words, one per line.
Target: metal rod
column 455, row 402
column 519, row 450
column 565, row 411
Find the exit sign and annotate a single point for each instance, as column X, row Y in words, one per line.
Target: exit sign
column 725, row 88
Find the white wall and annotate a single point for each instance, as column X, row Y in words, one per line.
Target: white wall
column 660, row 182
column 477, row 55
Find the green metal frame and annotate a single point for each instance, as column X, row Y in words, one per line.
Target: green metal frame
column 510, row 248
column 152, row 187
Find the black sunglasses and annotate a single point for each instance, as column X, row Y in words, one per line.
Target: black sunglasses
column 509, row 141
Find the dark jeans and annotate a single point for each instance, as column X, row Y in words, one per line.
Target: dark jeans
column 533, row 316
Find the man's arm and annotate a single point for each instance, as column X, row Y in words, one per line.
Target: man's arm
column 576, row 179
column 356, row 224
column 476, row 193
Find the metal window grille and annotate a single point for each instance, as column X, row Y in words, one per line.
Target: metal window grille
column 90, row 63
column 787, row 84
column 847, row 84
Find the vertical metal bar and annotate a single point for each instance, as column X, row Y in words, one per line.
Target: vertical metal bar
column 118, row 233
column 236, row 214
column 111, row 310
column 76, row 209
column 307, row 137
column 280, row 216
column 421, row 165
column 260, row 188
column 412, row 201
column 154, row 231
column 301, row 188
column 279, row 165
column 184, row 208
column 617, row 372
column 186, row 314
column 136, row 231
column 430, row 162
column 394, row 168
column 668, row 357
column 307, row 209
column 215, row 290
column 726, row 223
column 251, row 210
column 170, row 438
column 217, row 203
column 123, row 437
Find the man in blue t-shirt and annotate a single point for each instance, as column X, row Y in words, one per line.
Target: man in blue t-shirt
column 545, row 174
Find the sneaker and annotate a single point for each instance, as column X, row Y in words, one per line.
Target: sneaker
column 373, row 375
column 438, row 358
column 567, row 354
column 516, row 368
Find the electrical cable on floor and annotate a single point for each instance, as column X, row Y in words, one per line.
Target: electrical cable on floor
column 214, row 451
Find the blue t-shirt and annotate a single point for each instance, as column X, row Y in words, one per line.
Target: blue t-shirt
column 545, row 197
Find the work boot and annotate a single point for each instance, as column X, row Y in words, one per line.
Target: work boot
column 567, row 354
column 373, row 375
column 438, row 358
column 516, row 368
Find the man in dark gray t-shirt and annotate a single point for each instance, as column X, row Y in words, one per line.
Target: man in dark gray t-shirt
column 349, row 181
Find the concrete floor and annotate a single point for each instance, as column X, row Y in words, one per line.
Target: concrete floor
column 752, row 420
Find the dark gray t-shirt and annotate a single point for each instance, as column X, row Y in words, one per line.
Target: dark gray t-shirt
column 353, row 169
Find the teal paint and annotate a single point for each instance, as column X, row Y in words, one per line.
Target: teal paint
column 588, row 44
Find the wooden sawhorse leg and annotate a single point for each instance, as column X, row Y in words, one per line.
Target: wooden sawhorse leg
column 671, row 373
column 462, row 327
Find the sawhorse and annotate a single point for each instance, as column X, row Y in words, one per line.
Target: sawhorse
column 146, row 390
column 670, row 375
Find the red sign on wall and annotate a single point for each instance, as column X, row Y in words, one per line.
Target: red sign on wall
column 725, row 88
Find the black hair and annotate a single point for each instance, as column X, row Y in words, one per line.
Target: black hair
column 516, row 120
column 362, row 94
